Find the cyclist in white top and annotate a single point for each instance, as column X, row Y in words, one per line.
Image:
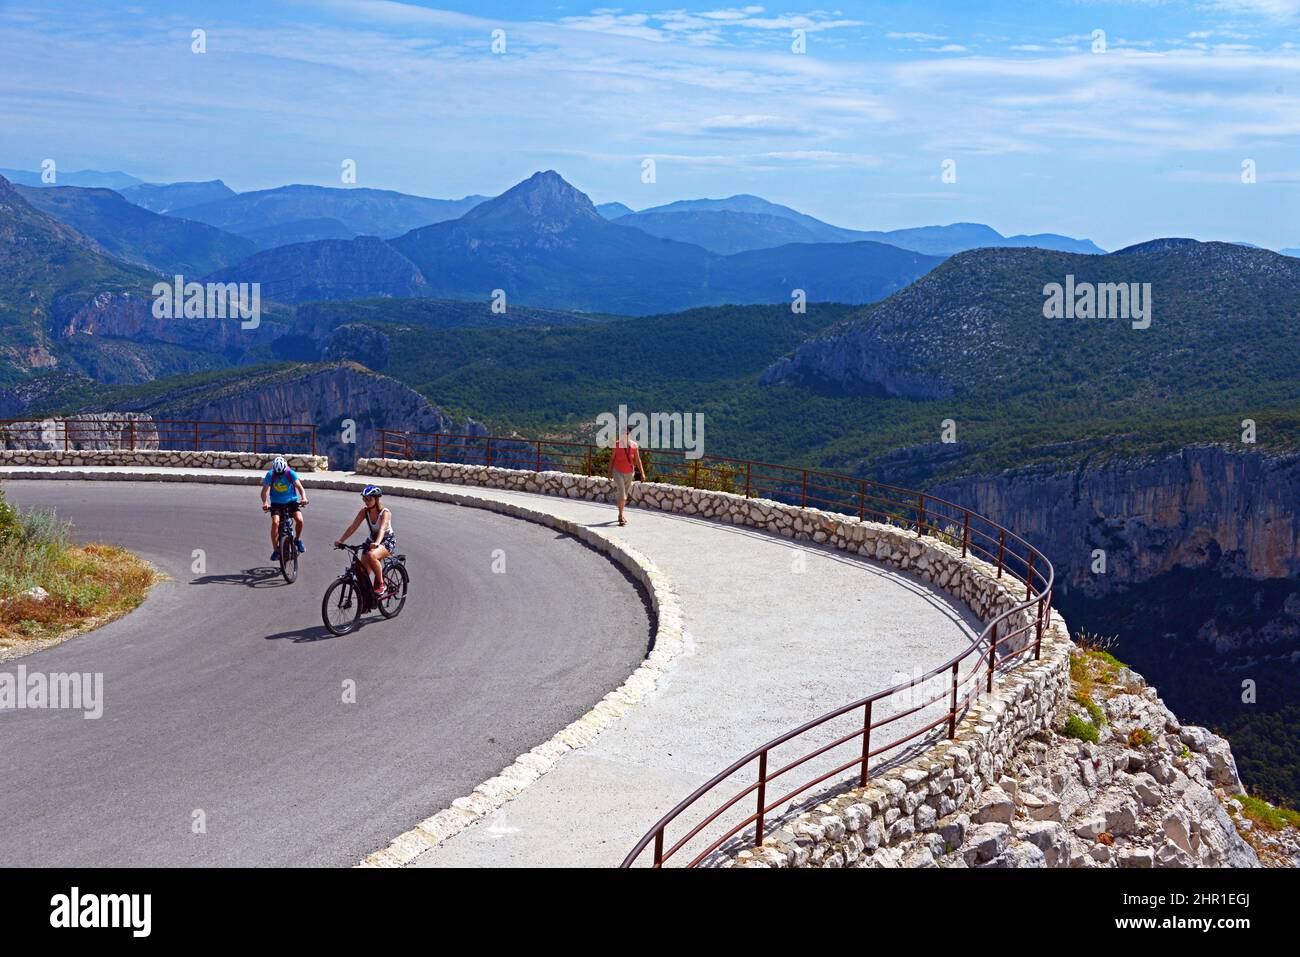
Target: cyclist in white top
column 383, row 541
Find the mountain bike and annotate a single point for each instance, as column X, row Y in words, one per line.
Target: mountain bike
column 352, row 594
column 286, row 547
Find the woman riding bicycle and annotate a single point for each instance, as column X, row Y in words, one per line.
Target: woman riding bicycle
column 382, row 540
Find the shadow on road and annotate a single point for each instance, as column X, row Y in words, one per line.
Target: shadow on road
column 314, row 633
column 249, row 578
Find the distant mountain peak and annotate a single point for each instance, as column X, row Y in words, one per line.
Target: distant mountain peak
column 1156, row 246
column 545, row 198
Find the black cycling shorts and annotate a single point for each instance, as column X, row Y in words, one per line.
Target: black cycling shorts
column 285, row 508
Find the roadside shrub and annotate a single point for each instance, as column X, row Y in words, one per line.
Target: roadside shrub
column 1139, row 738
column 8, row 516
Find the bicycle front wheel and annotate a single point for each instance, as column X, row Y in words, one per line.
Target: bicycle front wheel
column 341, row 607
column 289, row 560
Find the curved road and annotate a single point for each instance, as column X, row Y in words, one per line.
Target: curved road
column 224, row 694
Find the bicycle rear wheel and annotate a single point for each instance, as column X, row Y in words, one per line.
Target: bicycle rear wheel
column 340, row 609
column 395, row 581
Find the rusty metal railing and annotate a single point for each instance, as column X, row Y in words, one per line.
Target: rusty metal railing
column 131, row 433
column 925, row 705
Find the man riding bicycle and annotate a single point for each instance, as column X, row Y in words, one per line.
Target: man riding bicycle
column 287, row 496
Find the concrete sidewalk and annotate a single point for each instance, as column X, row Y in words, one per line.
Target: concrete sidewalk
column 776, row 633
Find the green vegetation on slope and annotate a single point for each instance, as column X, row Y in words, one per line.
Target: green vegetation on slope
column 50, row 588
column 554, row 381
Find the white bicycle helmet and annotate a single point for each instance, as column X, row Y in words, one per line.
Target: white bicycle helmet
column 279, row 465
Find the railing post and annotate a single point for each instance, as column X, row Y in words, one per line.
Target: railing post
column 762, row 797
column 965, row 531
column 862, row 501
column 804, row 503
column 487, row 458
column 591, row 465
column 437, row 445
column 952, row 708
column 695, row 474
column 748, row 469
column 866, row 744
column 993, row 655
column 196, row 436
column 659, row 847
column 1002, row 549
column 538, row 466
column 313, row 440
column 1038, row 637
column 1029, row 576
column 407, row 443
column 920, row 516
column 130, row 431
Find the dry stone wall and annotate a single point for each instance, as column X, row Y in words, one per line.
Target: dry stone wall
column 164, row 458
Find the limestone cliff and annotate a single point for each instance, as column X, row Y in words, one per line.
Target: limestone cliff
column 1238, row 512
column 328, row 396
column 1145, row 791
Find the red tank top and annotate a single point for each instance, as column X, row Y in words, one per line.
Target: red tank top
column 624, row 457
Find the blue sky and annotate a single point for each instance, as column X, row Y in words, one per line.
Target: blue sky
column 1144, row 139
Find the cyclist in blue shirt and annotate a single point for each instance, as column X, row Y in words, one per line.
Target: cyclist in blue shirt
column 283, row 494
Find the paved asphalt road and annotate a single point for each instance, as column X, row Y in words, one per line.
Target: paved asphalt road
column 224, row 694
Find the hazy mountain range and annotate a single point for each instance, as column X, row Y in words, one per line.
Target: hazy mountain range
column 744, row 222
column 167, row 244
column 169, row 197
column 293, row 214
column 361, row 211
column 87, row 177
column 543, row 243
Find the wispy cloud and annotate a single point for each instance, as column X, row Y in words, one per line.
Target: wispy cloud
column 716, row 94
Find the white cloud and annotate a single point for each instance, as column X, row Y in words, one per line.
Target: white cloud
column 1272, row 9
column 919, row 37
